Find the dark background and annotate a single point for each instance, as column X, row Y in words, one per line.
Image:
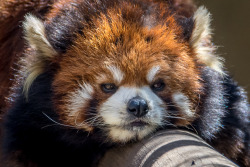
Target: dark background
column 231, row 25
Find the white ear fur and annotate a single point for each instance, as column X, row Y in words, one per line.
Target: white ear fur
column 35, row 35
column 200, row 40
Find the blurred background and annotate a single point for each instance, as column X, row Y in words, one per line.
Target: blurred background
column 231, row 25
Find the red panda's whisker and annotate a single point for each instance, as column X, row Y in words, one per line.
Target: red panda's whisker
column 174, row 117
column 167, row 123
column 171, row 105
column 91, row 121
column 56, row 123
column 192, row 127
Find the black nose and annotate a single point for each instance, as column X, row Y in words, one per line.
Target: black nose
column 137, row 106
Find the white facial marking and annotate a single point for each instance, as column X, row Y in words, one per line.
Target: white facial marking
column 183, row 104
column 116, row 72
column 152, row 72
column 78, row 99
column 123, row 135
column 101, row 78
column 120, row 135
column 114, row 113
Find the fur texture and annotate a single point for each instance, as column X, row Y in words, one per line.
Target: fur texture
column 96, row 74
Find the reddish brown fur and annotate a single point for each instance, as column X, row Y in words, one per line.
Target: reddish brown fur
column 125, row 44
column 158, row 41
column 153, row 39
column 12, row 45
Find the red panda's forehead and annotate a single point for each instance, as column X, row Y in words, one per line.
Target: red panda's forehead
column 130, row 48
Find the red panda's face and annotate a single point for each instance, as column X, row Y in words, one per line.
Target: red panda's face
column 127, row 71
column 127, row 80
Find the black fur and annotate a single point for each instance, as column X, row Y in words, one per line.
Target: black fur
column 224, row 116
column 212, row 104
column 35, row 138
column 187, row 24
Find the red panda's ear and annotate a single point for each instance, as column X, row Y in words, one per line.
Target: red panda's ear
column 35, row 35
column 200, row 40
column 34, row 31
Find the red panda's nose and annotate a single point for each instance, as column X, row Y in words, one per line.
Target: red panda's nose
column 137, row 106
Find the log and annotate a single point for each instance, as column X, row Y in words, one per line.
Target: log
column 168, row 148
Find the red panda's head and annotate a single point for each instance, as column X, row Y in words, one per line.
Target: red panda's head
column 128, row 72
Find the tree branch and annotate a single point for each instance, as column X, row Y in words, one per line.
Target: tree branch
column 168, row 148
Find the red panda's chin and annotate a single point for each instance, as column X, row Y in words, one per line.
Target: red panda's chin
column 129, row 133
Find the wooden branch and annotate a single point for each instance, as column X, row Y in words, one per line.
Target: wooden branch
column 168, row 148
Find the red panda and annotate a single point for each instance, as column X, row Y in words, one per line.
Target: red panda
column 94, row 74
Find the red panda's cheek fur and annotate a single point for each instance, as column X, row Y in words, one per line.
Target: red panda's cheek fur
column 181, row 79
column 76, row 98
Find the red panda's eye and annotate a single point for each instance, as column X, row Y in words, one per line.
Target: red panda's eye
column 158, row 86
column 108, row 88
